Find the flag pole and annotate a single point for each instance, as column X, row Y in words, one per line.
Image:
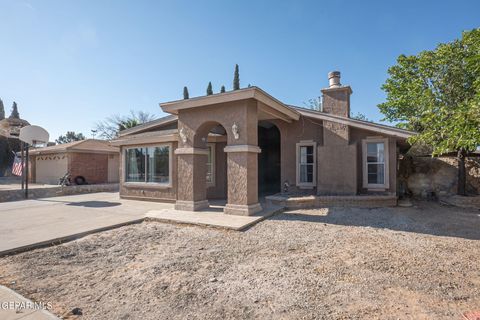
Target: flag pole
column 23, row 159
column 26, row 171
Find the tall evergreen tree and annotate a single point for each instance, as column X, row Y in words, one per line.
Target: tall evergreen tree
column 185, row 93
column 222, row 89
column 236, row 79
column 209, row 89
column 2, row 110
column 14, row 114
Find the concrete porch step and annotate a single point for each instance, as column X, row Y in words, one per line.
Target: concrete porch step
column 213, row 217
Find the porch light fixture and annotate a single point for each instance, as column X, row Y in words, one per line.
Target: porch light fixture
column 235, row 131
column 183, row 135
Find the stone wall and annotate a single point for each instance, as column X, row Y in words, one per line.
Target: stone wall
column 428, row 177
column 14, row 195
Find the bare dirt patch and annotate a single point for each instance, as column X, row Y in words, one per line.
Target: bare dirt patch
column 389, row 263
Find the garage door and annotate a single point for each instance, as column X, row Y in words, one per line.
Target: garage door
column 50, row 168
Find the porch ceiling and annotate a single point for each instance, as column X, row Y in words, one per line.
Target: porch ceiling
column 269, row 107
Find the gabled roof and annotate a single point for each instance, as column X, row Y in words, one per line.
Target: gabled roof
column 255, row 93
column 361, row 124
column 149, row 125
column 88, row 145
column 268, row 104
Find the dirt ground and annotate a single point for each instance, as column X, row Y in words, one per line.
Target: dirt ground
column 389, row 263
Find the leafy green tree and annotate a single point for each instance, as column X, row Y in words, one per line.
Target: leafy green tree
column 2, row 110
column 236, row 79
column 185, row 93
column 222, row 89
column 209, row 89
column 14, row 114
column 70, row 136
column 437, row 94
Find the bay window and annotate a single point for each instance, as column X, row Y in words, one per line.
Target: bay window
column 148, row 165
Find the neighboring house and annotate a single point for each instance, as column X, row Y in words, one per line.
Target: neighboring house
column 244, row 144
column 94, row 160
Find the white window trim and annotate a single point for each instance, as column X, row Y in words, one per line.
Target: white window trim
column 372, row 186
column 314, row 182
column 212, row 184
column 145, row 183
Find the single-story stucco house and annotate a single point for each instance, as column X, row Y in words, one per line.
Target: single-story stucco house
column 245, row 144
column 96, row 161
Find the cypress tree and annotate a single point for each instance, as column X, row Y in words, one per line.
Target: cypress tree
column 236, row 79
column 14, row 114
column 185, row 93
column 222, row 89
column 209, row 89
column 2, row 110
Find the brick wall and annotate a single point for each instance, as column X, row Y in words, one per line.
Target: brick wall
column 363, row 201
column 92, row 166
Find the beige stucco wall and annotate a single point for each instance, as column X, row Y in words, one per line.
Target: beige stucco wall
column 305, row 129
column 196, row 123
column 356, row 136
column 114, row 168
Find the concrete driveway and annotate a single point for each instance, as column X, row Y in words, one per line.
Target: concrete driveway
column 42, row 221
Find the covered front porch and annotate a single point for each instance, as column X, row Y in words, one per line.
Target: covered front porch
column 226, row 123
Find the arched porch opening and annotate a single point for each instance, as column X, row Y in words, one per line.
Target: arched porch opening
column 269, row 165
column 212, row 137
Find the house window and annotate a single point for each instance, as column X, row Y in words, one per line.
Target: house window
column 306, row 164
column 375, row 163
column 148, row 165
column 211, row 164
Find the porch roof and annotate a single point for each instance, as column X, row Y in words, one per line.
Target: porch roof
column 268, row 104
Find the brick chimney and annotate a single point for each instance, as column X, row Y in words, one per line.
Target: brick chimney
column 336, row 98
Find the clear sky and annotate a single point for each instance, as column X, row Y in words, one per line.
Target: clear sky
column 69, row 64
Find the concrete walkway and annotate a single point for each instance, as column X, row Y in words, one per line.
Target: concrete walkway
column 33, row 223
column 13, row 306
column 213, row 216
column 30, row 224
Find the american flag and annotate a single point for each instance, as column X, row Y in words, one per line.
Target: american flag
column 17, row 166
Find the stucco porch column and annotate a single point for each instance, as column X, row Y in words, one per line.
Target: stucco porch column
column 242, row 171
column 191, row 190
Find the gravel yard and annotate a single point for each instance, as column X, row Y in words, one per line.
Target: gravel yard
column 389, row 263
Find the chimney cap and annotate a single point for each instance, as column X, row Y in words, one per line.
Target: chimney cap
column 334, row 79
column 332, row 74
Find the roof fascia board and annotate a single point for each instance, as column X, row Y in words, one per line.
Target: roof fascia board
column 366, row 126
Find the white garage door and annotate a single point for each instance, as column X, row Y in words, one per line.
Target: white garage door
column 50, row 168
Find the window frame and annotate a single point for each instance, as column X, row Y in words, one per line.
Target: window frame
column 376, row 186
column 306, row 185
column 145, row 183
column 212, row 183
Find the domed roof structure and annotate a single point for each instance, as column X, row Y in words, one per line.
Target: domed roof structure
column 10, row 127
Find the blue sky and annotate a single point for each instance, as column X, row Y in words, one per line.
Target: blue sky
column 69, row 64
